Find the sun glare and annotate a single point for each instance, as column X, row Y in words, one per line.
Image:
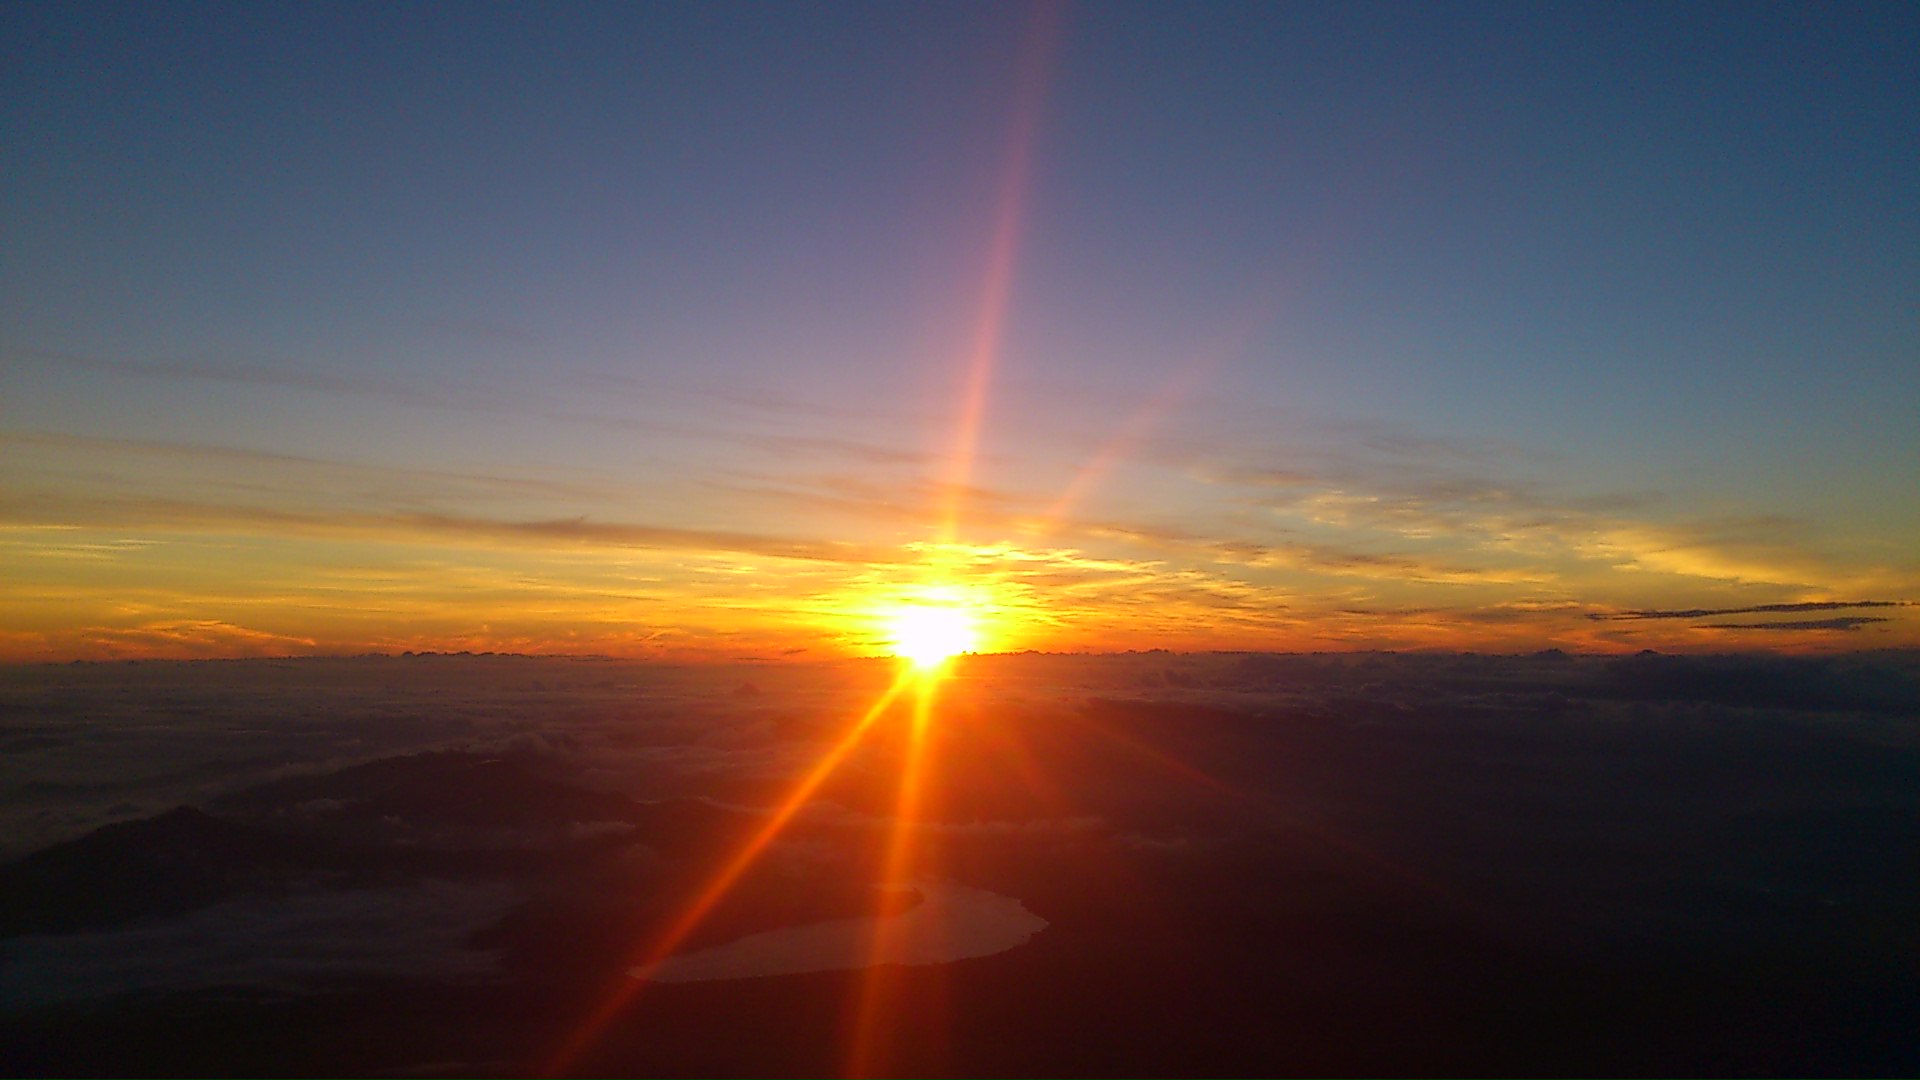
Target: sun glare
column 928, row 636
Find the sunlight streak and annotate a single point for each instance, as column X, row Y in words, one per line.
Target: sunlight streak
column 723, row 881
column 983, row 353
column 867, row 1052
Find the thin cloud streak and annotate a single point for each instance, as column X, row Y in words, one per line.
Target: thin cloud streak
column 246, row 456
column 483, row 402
column 1845, row 623
column 1756, row 609
column 179, row 514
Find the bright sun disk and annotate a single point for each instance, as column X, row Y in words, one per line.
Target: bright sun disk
column 929, row 636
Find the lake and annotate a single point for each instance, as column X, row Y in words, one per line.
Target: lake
column 951, row 922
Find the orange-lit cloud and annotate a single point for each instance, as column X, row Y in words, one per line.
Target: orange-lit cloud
column 1360, row 548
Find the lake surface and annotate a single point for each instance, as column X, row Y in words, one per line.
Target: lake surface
column 951, row 922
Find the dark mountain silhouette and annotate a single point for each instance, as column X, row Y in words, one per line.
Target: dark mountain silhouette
column 165, row 865
column 267, row 839
column 470, row 792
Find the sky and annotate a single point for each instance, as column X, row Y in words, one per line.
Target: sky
column 718, row 331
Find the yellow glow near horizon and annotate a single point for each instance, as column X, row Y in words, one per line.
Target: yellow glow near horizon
column 930, row 635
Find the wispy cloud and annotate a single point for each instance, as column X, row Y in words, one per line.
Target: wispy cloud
column 157, row 513
column 404, row 478
column 1320, row 558
column 1755, row 609
column 1844, row 623
column 828, row 446
column 1443, row 502
column 194, row 637
column 245, row 375
column 478, row 398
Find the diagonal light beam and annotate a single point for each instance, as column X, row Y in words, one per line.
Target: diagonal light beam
column 721, row 883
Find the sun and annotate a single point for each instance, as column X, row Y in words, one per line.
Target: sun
column 930, row 635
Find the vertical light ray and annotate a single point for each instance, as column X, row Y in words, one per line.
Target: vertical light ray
column 983, row 352
column 722, row 882
column 868, row 1046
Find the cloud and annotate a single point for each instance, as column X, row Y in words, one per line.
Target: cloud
column 911, row 501
column 304, row 379
column 158, row 513
column 1314, row 557
column 1844, row 623
column 200, row 454
column 50, row 543
column 1757, row 609
column 1479, row 514
column 868, row 453
column 1376, row 521
column 1329, row 559
column 1359, row 483
column 193, row 638
column 469, row 397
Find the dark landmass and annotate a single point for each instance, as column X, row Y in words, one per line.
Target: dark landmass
column 1249, row 865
